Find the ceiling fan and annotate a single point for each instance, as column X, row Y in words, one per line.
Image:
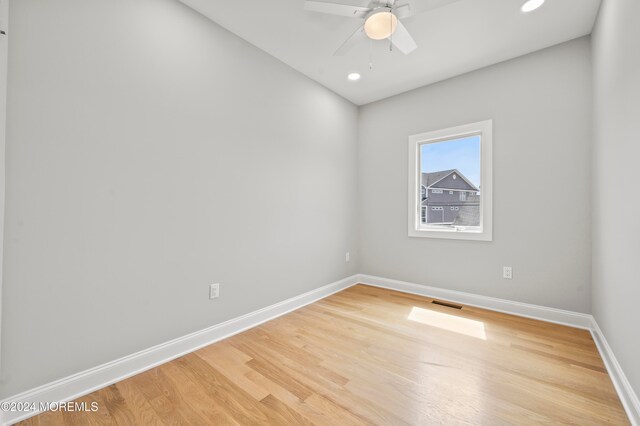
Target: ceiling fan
column 381, row 21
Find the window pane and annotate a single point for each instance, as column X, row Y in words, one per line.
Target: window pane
column 450, row 182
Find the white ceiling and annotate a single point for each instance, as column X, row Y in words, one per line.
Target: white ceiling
column 453, row 39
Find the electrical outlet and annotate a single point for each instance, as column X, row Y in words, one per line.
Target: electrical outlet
column 214, row 291
column 347, row 257
column 507, row 272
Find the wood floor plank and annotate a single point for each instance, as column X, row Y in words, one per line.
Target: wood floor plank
column 232, row 364
column 115, row 403
column 164, row 399
column 221, row 391
column 143, row 413
column 368, row 355
column 289, row 415
column 305, row 410
column 196, row 398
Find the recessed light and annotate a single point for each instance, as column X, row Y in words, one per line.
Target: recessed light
column 354, row 76
column 531, row 5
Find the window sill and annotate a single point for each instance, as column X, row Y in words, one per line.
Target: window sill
column 452, row 234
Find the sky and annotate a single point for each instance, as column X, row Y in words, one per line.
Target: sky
column 462, row 154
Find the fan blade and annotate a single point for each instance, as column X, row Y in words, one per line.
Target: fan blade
column 404, row 10
column 425, row 6
column 403, row 40
column 336, row 9
column 354, row 39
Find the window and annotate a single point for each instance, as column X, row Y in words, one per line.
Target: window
column 458, row 160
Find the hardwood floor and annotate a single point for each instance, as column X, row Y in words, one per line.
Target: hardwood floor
column 372, row 356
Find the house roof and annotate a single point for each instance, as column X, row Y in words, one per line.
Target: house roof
column 429, row 179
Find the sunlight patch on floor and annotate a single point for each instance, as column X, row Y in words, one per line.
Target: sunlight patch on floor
column 448, row 322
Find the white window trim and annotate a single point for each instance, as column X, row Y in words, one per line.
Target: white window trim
column 485, row 231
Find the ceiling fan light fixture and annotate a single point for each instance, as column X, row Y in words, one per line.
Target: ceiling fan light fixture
column 380, row 24
column 531, row 5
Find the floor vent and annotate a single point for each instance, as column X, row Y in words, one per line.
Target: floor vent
column 447, row 304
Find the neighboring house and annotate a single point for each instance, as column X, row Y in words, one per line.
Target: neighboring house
column 449, row 198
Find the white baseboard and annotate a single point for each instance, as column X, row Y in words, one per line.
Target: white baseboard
column 85, row 382
column 558, row 316
column 626, row 393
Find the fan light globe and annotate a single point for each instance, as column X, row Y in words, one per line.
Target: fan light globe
column 531, row 5
column 380, row 24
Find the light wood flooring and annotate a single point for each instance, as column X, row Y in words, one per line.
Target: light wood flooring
column 372, row 356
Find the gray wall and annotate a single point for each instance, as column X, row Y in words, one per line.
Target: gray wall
column 616, row 240
column 138, row 134
column 541, row 107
